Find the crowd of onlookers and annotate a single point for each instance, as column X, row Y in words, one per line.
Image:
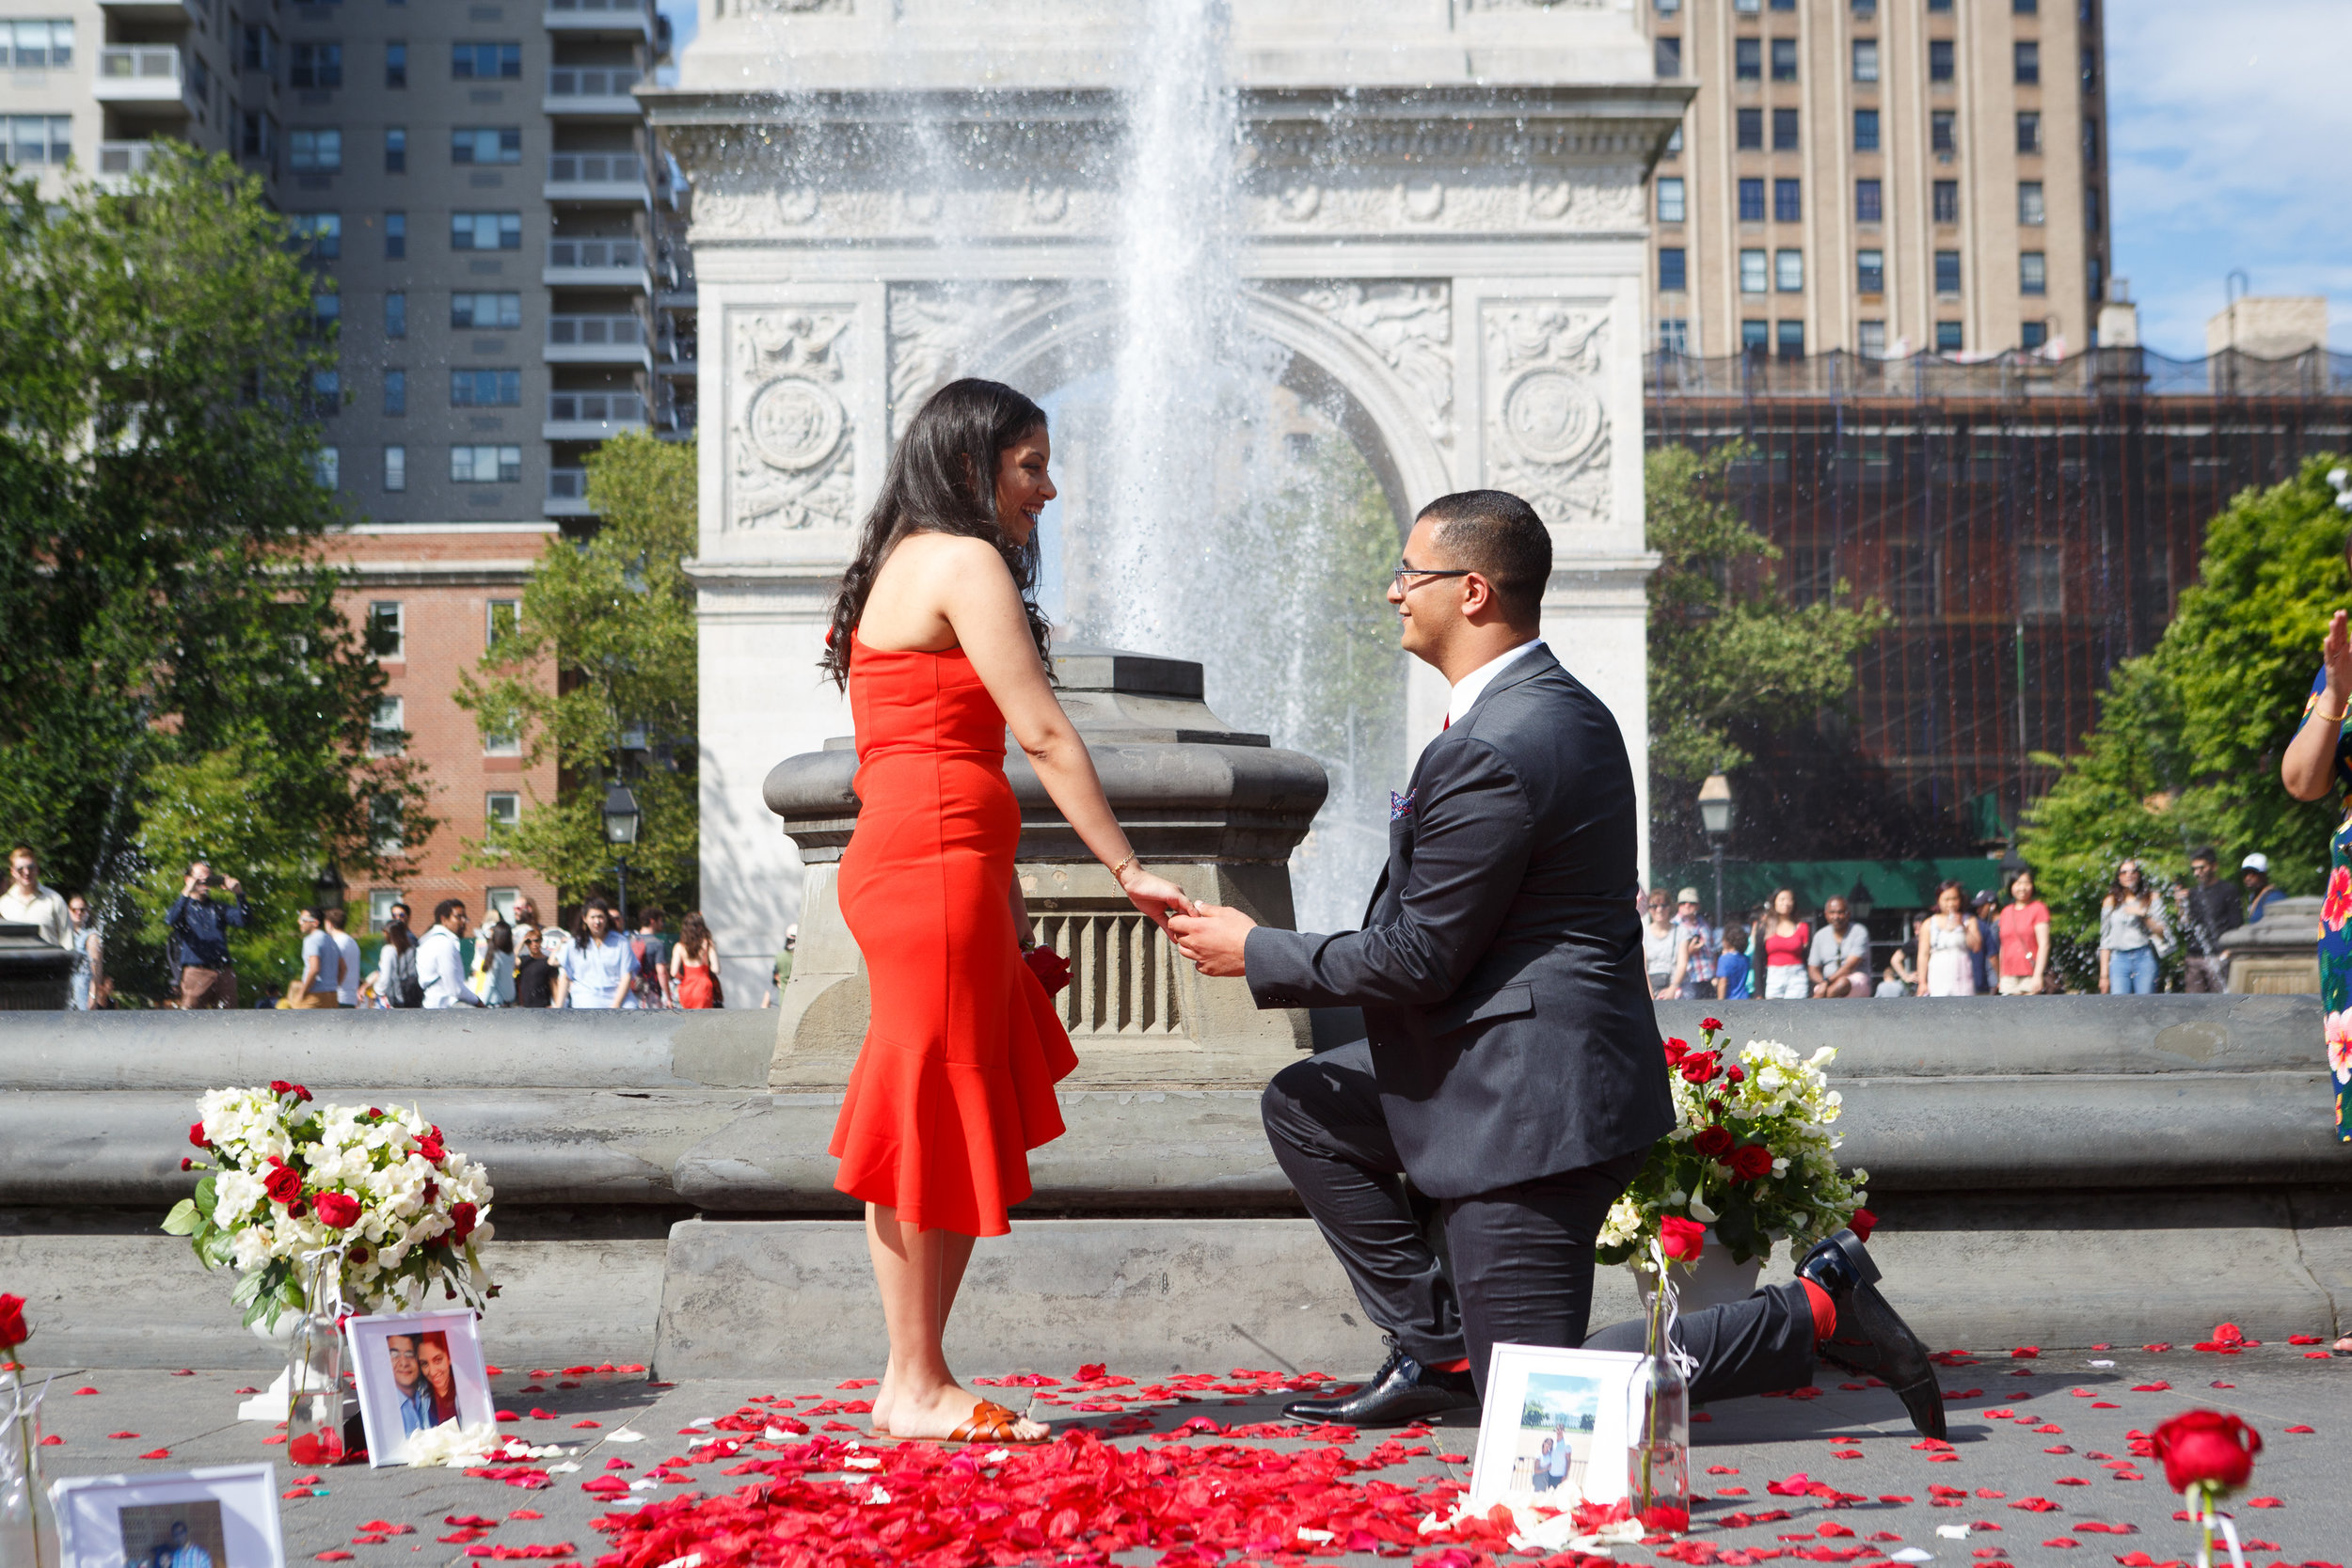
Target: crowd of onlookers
column 1963, row 947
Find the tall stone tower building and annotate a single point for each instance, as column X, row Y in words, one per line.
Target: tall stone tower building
column 1885, row 177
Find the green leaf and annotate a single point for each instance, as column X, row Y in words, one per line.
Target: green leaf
column 248, row 1289
column 206, row 1196
column 184, row 1219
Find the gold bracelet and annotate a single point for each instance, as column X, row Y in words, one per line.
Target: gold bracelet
column 1123, row 865
column 2330, row 718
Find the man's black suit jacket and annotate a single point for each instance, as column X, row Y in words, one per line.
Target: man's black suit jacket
column 1500, row 968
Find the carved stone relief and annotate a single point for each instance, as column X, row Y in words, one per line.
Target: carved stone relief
column 1409, row 323
column 936, row 328
column 1547, row 422
column 1563, row 201
column 791, row 462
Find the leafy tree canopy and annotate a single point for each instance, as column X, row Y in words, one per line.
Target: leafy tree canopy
column 175, row 677
column 2186, row 748
column 615, row 615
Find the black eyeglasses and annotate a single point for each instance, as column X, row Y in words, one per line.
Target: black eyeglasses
column 1403, row 572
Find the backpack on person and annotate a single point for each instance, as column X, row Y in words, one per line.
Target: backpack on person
column 407, row 990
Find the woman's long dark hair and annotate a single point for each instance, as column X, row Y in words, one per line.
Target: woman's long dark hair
column 943, row 479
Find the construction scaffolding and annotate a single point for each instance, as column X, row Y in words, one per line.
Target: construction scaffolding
column 2030, row 523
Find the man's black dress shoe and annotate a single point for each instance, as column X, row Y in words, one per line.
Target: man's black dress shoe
column 1871, row 1337
column 1402, row 1391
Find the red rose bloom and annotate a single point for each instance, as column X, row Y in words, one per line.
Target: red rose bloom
column 358, row 1254
column 2204, row 1446
column 12, row 1330
column 1683, row 1240
column 1699, row 1067
column 195, row 1134
column 1713, row 1142
column 300, row 1093
column 1750, row 1162
column 1863, row 1223
column 339, row 1210
column 430, row 1147
column 1675, row 1051
column 1711, row 1024
column 279, row 1086
column 283, row 1184
column 1735, row 1073
column 461, row 1222
column 1051, row 968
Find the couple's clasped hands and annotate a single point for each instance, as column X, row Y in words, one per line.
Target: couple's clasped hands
column 1211, row 936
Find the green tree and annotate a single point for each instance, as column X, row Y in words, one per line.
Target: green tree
column 616, row 617
column 1727, row 650
column 2185, row 752
column 176, row 676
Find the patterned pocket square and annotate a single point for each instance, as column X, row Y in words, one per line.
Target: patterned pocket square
column 1400, row 806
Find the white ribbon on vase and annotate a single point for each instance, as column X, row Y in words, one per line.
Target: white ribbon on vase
column 1684, row 1362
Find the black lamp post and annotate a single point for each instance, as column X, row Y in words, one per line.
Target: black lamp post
column 621, row 821
column 328, row 891
column 1858, row 903
column 1715, row 812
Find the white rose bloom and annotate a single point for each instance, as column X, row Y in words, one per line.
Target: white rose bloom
column 249, row 1248
column 236, row 1195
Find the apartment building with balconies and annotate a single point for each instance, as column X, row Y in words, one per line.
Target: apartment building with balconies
column 1882, row 177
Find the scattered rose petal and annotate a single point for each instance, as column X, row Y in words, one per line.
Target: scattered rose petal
column 122, row 1434
column 156, row 1453
column 2301, row 1429
column 2266, row 1502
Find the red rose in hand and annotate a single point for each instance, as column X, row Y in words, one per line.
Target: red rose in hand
column 1051, row 968
column 1750, row 1162
column 1713, row 1142
column 1698, row 1067
column 12, row 1330
column 1675, row 1051
column 2204, row 1446
column 461, row 1222
column 195, row 1134
column 1862, row 1223
column 339, row 1210
column 283, row 1184
column 1711, row 1024
column 1683, row 1240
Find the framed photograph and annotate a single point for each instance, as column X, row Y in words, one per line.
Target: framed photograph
column 1556, row 1427
column 222, row 1517
column 417, row 1370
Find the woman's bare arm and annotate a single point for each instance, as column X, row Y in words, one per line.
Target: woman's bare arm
column 2310, row 761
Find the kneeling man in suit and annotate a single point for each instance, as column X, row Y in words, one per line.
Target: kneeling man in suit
column 1513, row 1067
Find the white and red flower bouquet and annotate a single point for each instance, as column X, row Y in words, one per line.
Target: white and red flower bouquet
column 374, row 1190
column 1751, row 1156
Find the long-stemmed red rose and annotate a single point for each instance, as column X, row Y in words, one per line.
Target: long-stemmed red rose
column 2207, row 1455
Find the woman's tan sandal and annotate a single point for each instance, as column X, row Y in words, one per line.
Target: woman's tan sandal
column 990, row 1423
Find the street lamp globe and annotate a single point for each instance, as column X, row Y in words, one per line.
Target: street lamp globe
column 1715, row 807
column 621, row 816
column 327, row 891
column 1859, row 903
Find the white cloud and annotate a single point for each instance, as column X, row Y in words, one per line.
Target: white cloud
column 2230, row 146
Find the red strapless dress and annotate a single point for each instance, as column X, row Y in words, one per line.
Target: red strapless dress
column 954, row 1083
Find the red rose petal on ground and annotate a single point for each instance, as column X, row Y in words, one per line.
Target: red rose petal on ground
column 89, row 1391
column 52, row 1441
column 2073, row 1480
column 577, row 1425
column 122, row 1434
column 336, row 1556
column 2150, row 1387
column 2025, row 1353
column 298, row 1492
column 156, row 1453
column 184, row 1372
column 526, row 1513
column 2158, row 1348
column 2102, row 1405
column 495, row 1371
column 1734, row 1469
column 2314, row 1355
column 2035, row 1505
column 2301, row 1429
column 1894, row 1500
column 232, row 1390
column 2266, row 1502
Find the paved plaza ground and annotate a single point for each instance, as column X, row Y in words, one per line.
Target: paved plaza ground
column 2039, row 1459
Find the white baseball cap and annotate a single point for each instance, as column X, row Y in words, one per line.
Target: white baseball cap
column 1688, row 895
column 2255, row 863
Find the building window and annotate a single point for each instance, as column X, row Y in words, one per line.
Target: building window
column 322, row 231
column 501, row 619
column 501, row 808
column 1947, row 272
column 2097, row 275
column 34, row 139
column 1749, row 123
column 1673, row 143
column 1791, row 339
column 2090, row 141
column 1940, row 134
column 1812, row 574
column 1670, row 199
column 1674, row 335
column 2028, row 132
column 327, row 309
column 484, row 389
column 1788, row 271
column 478, row 312
column 395, row 149
column 258, row 135
column 386, row 639
column 1866, row 59
column 319, row 152
column 1673, row 275
column 1788, row 200
column 486, row 144
column 380, row 902
column 384, row 825
column 1784, row 60
column 396, row 315
column 396, row 468
column 1747, row 59
column 2091, row 207
column 317, row 65
column 1939, row 4
column 2040, row 581
column 1785, row 131
column 1784, row 5
column 1862, row 8
column 1751, row 201
column 1912, row 568
column 2034, row 335
column 46, row 46
column 1945, row 200
column 485, row 62
column 1669, row 7
column 1870, row 340
column 1756, row 338
column 1669, row 57
column 395, row 236
column 388, row 731
column 485, row 231
column 1866, row 130
column 2028, row 64
column 2033, row 273
column 396, row 65
column 2030, row 209
column 1747, row 7
column 1939, row 60
column 1869, row 271
column 485, row 464
column 2091, row 70
column 1869, row 201
column 395, row 392
column 260, row 48
column 1754, row 271
column 2025, row 8
column 1948, row 339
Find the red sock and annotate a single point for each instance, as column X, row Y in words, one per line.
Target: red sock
column 1459, row 1364
column 1824, row 1310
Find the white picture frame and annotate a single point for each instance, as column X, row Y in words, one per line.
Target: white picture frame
column 227, row 1512
column 1584, row 1400
column 390, row 1410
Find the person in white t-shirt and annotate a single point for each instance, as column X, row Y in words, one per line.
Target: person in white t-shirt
column 347, row 950
column 31, row 902
column 321, row 982
column 595, row 970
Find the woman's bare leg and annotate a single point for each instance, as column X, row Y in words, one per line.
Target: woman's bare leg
column 919, row 1396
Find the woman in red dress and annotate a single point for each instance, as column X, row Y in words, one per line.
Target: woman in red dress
column 695, row 964
column 941, row 649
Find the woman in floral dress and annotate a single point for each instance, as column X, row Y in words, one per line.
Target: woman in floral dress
column 2321, row 755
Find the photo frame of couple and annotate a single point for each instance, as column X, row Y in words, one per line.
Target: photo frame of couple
column 217, row 1516
column 416, row 1371
column 1557, row 1427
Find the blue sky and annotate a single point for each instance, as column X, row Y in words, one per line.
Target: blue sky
column 2230, row 146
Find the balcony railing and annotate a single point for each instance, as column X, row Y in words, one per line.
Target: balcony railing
column 595, row 331
column 140, row 70
column 593, row 82
column 596, row 168
column 568, row 489
column 626, row 8
column 595, row 255
column 596, row 408
column 125, row 157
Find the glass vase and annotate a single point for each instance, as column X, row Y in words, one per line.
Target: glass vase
column 28, row 1525
column 1658, row 1421
column 314, row 1368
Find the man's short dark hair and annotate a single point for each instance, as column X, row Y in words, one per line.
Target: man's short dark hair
column 1496, row 535
column 2207, row 853
column 25, row 849
column 310, row 912
column 335, row 917
column 446, row 908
